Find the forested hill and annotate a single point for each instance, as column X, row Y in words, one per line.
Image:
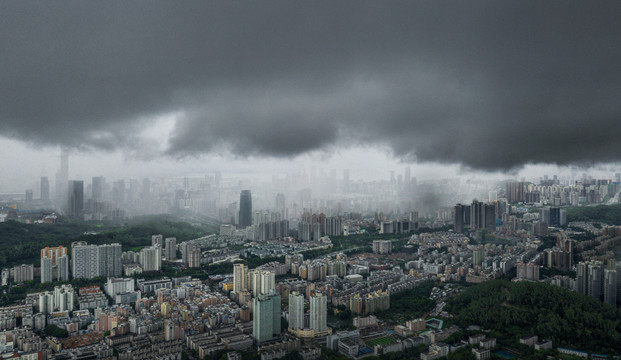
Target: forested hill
column 610, row 214
column 517, row 309
column 21, row 243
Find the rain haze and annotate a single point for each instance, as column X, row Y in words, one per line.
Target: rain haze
column 310, row 180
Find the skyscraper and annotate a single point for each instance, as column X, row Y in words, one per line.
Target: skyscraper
column 318, row 312
column 45, row 189
column 62, row 176
column 75, row 194
column 266, row 317
column 245, row 209
column 459, row 218
column 296, row 310
column 99, row 183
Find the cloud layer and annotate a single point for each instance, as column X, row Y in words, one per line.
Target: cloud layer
column 486, row 84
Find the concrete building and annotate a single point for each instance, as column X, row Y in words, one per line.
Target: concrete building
column 240, row 278
column 318, row 312
column 296, row 310
column 171, row 248
column 266, row 317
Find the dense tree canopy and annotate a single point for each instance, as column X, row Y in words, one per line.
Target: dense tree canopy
column 517, row 309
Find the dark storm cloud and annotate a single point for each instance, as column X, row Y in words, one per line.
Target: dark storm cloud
column 487, row 84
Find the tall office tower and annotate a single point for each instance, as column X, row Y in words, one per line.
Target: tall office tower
column 610, row 287
column 240, row 278
column 346, row 180
column 46, row 269
column 171, row 248
column 245, row 209
column 157, row 240
column 118, row 192
column 318, row 312
column 296, row 310
column 45, row 189
column 407, row 176
column 459, row 218
column 62, row 176
column 62, row 268
column 151, row 258
column 266, row 317
column 514, row 191
column 281, row 205
column 581, row 278
column 194, row 258
column 85, row 260
column 54, row 253
column 99, row 185
column 28, row 196
column 75, row 193
column 595, row 280
column 490, row 217
column 110, row 260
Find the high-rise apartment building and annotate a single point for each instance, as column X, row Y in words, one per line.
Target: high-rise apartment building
column 23, row 273
column 84, row 260
column 245, row 209
column 610, row 287
column 240, row 278
column 514, row 191
column 318, row 312
column 595, row 280
column 194, row 258
column 171, row 248
column 54, row 253
column 266, row 317
column 151, row 258
column 110, row 260
column 46, row 269
column 62, row 268
column 157, row 240
column 296, row 310
column 89, row 261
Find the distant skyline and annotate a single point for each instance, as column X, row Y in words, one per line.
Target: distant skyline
column 371, row 164
column 481, row 88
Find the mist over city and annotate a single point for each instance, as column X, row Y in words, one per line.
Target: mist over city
column 305, row 180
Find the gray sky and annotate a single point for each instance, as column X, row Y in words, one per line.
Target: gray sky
column 482, row 85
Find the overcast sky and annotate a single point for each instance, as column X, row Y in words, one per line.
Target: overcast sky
column 451, row 87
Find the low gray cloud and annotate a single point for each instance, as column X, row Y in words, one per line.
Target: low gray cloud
column 486, row 84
